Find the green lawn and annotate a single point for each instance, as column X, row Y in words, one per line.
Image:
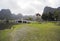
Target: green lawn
column 31, row 32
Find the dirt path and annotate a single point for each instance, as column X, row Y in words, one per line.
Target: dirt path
column 23, row 33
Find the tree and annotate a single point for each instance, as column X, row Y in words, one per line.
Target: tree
column 45, row 17
column 57, row 15
column 48, row 17
column 38, row 17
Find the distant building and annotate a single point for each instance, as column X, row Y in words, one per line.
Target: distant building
column 22, row 21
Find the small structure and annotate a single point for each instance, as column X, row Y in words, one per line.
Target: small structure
column 22, row 21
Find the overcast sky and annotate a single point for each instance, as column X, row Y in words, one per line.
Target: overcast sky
column 28, row 7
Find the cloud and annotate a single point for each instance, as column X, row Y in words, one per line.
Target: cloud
column 28, row 7
column 53, row 3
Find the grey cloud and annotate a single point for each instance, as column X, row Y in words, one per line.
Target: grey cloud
column 31, row 8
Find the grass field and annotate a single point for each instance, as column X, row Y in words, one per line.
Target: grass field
column 31, row 32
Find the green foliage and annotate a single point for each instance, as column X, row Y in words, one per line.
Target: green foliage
column 45, row 16
column 48, row 16
column 57, row 15
column 52, row 16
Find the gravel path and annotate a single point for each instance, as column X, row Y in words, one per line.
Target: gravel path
column 23, row 33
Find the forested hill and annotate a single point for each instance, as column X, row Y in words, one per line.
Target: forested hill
column 50, row 9
column 51, row 14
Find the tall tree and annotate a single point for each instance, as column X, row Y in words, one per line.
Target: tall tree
column 38, row 17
